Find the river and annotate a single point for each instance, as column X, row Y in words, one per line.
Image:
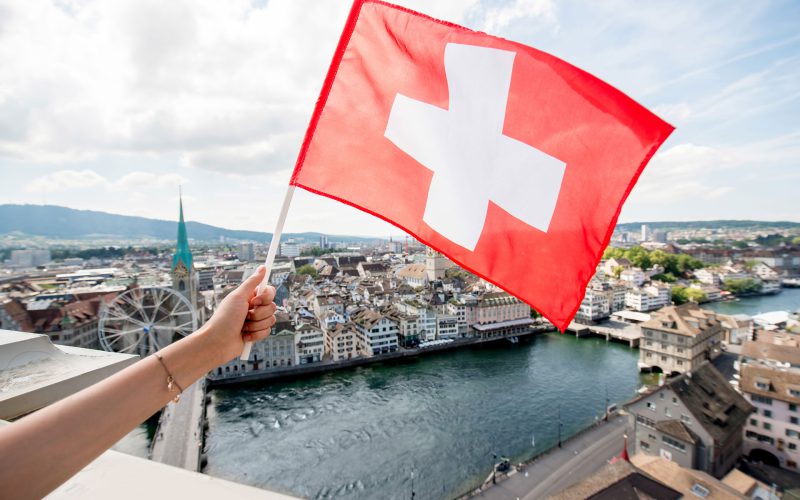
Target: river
column 787, row 300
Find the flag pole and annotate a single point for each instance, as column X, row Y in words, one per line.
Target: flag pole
column 273, row 249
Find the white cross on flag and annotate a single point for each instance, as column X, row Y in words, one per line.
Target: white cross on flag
column 508, row 160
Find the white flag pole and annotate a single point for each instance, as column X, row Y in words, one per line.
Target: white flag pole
column 273, row 249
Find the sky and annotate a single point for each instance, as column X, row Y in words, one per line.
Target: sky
column 111, row 105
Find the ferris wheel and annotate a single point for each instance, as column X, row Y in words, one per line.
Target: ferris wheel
column 143, row 320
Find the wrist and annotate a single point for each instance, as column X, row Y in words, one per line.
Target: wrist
column 213, row 348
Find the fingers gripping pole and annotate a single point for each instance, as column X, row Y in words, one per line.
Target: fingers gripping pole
column 273, row 249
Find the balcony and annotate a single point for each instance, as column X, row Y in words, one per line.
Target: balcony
column 35, row 373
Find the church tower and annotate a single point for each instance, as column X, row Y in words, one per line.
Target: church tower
column 184, row 276
column 436, row 264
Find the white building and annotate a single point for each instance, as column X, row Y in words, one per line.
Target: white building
column 765, row 271
column 595, row 305
column 633, row 277
column 29, row 258
column 708, row 277
column 648, row 298
column 290, row 248
column 309, row 344
column 246, row 252
column 379, row 331
column 446, row 327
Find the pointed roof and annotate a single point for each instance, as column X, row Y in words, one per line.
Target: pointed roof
column 182, row 251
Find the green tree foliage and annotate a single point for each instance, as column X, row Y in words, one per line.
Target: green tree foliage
column 308, row 270
column 682, row 295
column 679, row 295
column 665, row 277
column 772, row 240
column 317, row 251
column 673, row 264
column 742, row 286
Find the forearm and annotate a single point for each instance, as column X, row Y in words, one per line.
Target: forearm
column 64, row 437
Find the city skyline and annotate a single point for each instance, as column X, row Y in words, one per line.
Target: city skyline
column 111, row 107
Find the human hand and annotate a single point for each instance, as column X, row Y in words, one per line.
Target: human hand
column 243, row 316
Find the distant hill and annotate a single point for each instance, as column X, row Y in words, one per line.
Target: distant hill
column 54, row 222
column 709, row 224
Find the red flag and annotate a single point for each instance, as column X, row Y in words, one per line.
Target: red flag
column 508, row 160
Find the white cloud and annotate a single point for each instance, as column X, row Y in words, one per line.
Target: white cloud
column 134, row 182
column 673, row 113
column 65, row 180
column 148, row 181
column 145, row 76
column 497, row 18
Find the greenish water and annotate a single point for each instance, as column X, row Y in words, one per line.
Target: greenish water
column 360, row 433
column 787, row 300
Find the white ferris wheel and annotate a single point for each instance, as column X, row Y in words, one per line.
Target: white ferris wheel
column 143, row 320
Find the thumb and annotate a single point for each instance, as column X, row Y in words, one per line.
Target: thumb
column 250, row 284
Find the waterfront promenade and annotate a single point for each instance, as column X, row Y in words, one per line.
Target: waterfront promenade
column 179, row 437
column 558, row 468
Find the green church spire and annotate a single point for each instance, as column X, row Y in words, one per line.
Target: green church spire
column 182, row 252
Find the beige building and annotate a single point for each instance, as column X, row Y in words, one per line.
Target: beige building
column 679, row 338
column 343, row 341
column 772, row 434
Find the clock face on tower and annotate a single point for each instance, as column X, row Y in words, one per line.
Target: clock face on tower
column 180, row 271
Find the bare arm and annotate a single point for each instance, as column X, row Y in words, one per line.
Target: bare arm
column 44, row 449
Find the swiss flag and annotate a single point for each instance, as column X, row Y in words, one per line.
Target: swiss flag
column 508, row 160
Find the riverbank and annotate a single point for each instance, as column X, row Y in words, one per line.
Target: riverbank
column 558, row 468
column 310, row 370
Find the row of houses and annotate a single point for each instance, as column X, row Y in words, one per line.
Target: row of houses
column 701, row 420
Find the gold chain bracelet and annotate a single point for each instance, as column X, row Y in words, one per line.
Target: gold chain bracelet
column 171, row 382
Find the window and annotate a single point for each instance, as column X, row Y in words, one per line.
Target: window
column 644, row 445
column 761, row 399
column 794, row 393
column 792, row 433
column 767, row 413
column 764, row 386
column 792, row 407
column 674, row 400
column 754, row 422
column 792, row 446
column 767, row 426
column 674, row 443
column 651, row 406
column 685, row 419
column 661, row 395
column 667, row 412
column 794, row 420
column 700, row 490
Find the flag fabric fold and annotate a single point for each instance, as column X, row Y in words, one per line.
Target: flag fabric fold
column 508, row 160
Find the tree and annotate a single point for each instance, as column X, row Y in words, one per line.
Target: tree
column 679, row 295
column 742, row 286
column 696, row 295
column 308, row 270
column 618, row 271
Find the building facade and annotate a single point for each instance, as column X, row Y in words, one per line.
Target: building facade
column 695, row 419
column 678, row 338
